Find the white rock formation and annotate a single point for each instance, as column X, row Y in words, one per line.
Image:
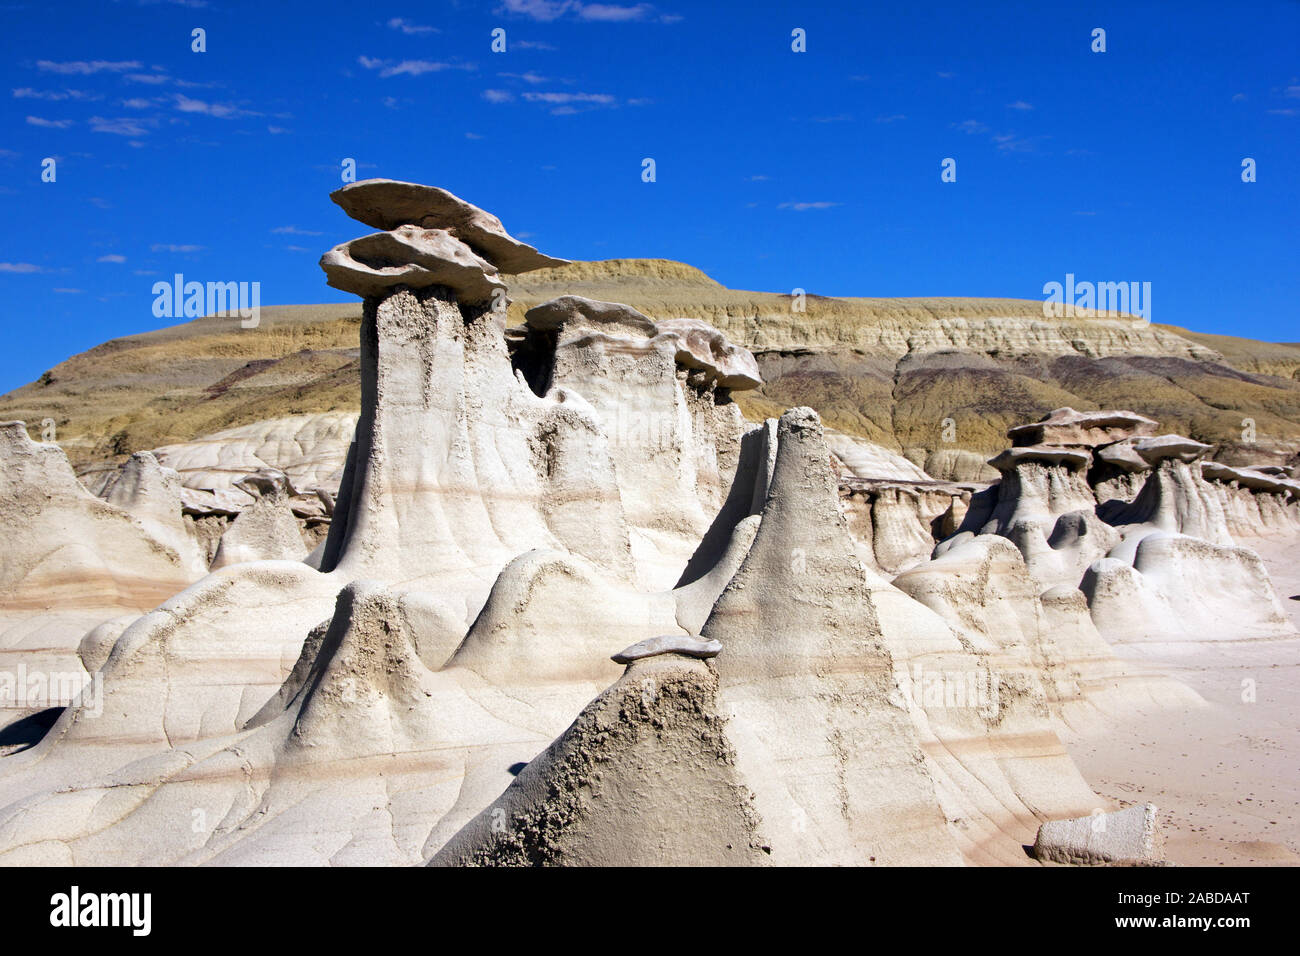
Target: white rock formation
column 438, row 682
column 1129, row 836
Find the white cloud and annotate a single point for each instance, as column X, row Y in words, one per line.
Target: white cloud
column 153, row 79
column 544, row 10
column 112, row 258
column 600, row 99
column 409, row 28
column 802, row 206
column 547, row 10
column 388, row 68
column 529, row 77
column 85, row 68
column 971, row 126
column 23, row 267
column 169, row 247
column 1020, row 105
column 498, row 96
column 48, row 123
column 120, row 126
column 69, row 291
column 612, row 13
column 27, row 93
column 220, row 110
column 294, row 231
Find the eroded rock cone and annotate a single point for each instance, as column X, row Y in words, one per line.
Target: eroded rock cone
column 807, row 683
column 646, row 776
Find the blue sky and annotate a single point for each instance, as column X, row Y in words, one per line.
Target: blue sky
column 774, row 169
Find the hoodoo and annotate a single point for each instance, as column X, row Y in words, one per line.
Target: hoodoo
column 550, row 598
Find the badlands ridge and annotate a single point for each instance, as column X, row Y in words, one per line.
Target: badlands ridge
column 551, row 597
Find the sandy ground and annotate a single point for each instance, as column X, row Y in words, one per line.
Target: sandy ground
column 1225, row 776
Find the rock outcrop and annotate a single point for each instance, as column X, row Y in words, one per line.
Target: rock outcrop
column 572, row 608
column 1124, row 837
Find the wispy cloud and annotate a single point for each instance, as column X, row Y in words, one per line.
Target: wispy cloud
column 112, row 257
column 409, row 28
column 613, row 13
column 1020, row 105
column 87, row 67
column 498, row 96
column 65, row 291
column 49, row 123
column 152, row 79
column 169, row 247
column 567, row 104
column 546, row 11
column 602, row 99
column 804, row 206
column 120, row 126
column 20, row 267
column 389, row 68
column 27, row 93
column 220, row 110
column 892, row 118
column 1005, row 142
column 1011, row 143
column 294, row 231
column 528, row 77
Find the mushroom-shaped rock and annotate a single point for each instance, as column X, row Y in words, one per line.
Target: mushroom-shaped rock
column 1165, row 447
column 696, row 344
column 668, row 644
column 1129, row 836
column 1124, row 456
column 1250, row 478
column 701, row 346
column 414, row 257
column 388, row 204
column 575, row 314
column 1075, row 459
column 1065, row 426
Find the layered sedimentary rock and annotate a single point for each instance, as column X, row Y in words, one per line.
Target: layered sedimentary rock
column 662, row 394
column 1097, row 501
column 573, row 608
column 71, row 560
